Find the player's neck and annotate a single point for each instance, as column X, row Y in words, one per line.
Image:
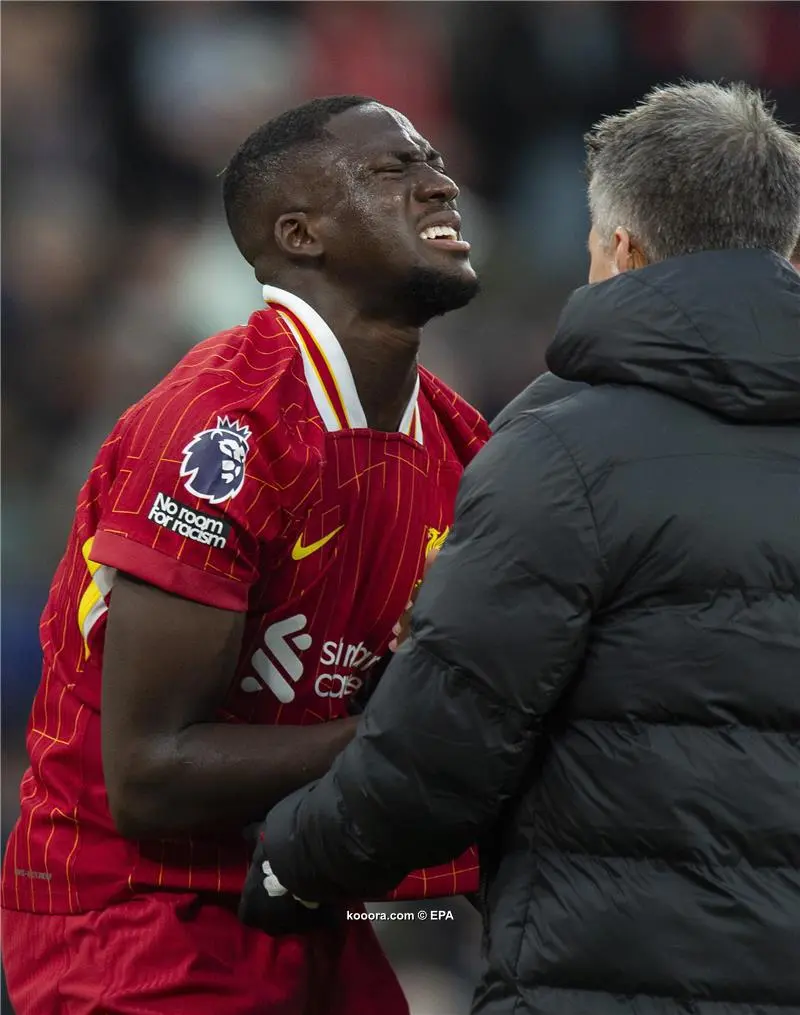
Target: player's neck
column 382, row 356
column 383, row 361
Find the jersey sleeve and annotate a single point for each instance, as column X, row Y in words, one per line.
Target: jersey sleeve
column 191, row 503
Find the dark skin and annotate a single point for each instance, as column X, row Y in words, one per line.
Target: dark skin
column 362, row 205
column 169, row 768
column 352, row 217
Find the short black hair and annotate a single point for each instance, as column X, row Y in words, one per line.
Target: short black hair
column 260, row 160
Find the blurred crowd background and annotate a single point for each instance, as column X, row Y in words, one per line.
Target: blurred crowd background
column 117, row 119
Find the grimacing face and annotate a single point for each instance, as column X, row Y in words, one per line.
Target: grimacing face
column 394, row 230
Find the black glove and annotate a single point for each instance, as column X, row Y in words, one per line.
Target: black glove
column 267, row 905
column 357, row 702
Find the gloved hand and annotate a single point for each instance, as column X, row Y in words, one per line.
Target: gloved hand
column 270, row 907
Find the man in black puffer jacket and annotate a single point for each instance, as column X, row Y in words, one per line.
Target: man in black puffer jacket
column 602, row 683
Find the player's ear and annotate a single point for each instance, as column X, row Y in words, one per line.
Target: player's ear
column 296, row 235
column 628, row 254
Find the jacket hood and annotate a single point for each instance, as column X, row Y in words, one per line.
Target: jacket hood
column 720, row 329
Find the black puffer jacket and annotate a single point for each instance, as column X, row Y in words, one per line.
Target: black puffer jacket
column 603, row 681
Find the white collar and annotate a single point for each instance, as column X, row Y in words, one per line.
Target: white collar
column 327, row 371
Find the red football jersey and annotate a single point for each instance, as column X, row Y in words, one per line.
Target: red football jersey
column 246, row 480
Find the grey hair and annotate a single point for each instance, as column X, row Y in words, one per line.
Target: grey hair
column 696, row 167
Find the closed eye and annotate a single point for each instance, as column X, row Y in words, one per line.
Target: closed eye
column 401, row 161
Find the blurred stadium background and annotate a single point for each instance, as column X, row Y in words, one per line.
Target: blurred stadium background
column 116, row 121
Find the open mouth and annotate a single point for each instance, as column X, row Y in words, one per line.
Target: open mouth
column 445, row 238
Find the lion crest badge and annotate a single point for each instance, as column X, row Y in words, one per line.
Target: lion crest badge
column 214, row 461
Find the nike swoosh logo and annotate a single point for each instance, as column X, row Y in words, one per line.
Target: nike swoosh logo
column 300, row 552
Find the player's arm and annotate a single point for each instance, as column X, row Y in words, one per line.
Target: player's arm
column 498, row 631
column 169, row 767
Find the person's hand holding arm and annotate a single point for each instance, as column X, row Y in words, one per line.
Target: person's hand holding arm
column 266, row 904
column 498, row 631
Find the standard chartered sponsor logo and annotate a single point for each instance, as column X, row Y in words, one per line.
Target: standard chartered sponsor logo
column 279, row 665
column 279, row 661
column 334, row 685
column 346, row 657
column 187, row 522
column 350, row 657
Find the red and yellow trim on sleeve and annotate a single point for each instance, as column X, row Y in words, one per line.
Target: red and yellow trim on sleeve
column 92, row 605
